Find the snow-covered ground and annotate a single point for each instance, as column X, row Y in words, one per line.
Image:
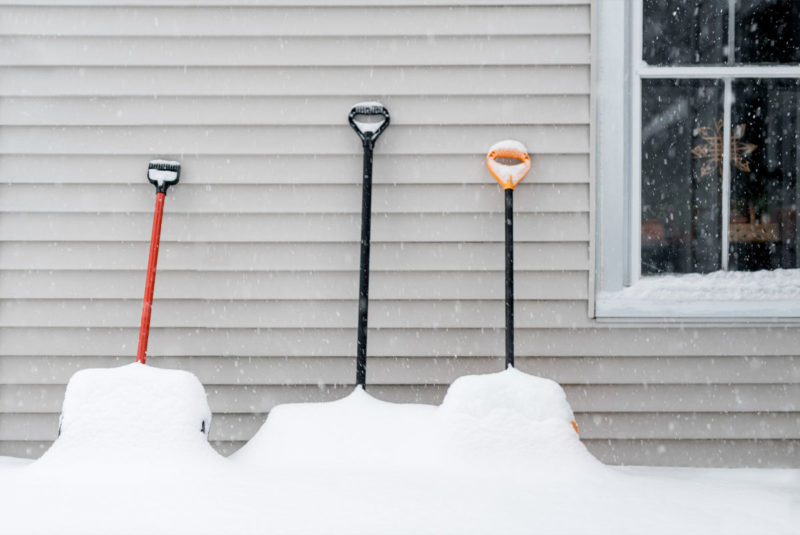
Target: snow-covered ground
column 498, row 456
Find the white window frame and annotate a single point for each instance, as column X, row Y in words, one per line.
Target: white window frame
column 619, row 74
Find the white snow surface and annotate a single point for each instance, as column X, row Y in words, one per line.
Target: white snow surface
column 509, row 144
column 768, row 293
column 131, row 459
column 779, row 284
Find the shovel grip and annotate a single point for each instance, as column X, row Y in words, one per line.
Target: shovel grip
column 163, row 174
column 368, row 132
column 508, row 176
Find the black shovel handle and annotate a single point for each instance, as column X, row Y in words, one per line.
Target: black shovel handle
column 368, row 138
column 369, row 108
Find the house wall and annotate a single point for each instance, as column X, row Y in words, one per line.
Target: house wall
column 258, row 269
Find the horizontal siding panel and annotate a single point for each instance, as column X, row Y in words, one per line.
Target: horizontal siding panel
column 30, row 449
column 600, row 398
column 616, row 398
column 295, row 314
column 326, row 111
column 639, row 342
column 294, row 51
column 293, row 227
column 244, row 371
column 291, row 199
column 707, row 453
column 295, row 81
column 298, row 21
column 234, row 141
column 687, row 426
column 292, row 3
column 282, row 169
column 292, row 257
column 593, row 426
column 291, row 285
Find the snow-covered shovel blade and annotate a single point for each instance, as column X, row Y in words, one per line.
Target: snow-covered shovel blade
column 361, row 118
column 508, row 161
column 162, row 174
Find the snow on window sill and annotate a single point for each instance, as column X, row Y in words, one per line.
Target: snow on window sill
column 732, row 294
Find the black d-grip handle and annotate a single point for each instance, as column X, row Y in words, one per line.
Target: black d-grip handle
column 163, row 174
column 369, row 131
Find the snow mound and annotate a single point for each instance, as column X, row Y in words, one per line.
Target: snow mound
column 502, row 418
column 508, row 392
column 356, row 429
column 130, row 412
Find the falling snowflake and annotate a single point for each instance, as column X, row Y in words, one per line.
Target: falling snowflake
column 712, row 149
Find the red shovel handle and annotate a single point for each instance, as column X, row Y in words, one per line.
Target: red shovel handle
column 144, row 330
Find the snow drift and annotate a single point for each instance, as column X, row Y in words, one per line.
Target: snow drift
column 498, row 456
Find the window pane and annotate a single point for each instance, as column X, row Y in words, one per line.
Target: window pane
column 767, row 31
column 681, row 183
column 765, row 163
column 684, row 32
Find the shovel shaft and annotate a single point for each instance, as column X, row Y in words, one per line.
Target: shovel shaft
column 155, row 239
column 363, row 281
column 509, row 278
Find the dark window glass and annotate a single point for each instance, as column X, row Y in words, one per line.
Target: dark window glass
column 767, row 31
column 681, row 184
column 685, row 32
column 765, row 161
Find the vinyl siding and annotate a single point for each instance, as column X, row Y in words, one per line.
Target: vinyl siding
column 258, row 269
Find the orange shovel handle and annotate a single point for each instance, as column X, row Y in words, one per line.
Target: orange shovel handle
column 508, row 176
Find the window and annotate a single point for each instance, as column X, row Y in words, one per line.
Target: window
column 713, row 157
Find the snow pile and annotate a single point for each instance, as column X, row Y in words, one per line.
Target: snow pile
column 132, row 412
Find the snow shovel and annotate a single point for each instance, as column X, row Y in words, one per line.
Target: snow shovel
column 363, row 120
column 162, row 174
column 508, row 161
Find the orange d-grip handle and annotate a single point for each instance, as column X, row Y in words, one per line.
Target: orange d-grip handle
column 508, row 176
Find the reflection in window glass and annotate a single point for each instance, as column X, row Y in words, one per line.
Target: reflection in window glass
column 767, row 31
column 764, row 193
column 685, row 32
column 681, row 183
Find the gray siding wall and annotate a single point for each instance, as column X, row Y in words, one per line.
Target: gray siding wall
column 258, row 270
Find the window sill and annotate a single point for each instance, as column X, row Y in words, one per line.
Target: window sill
column 725, row 295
